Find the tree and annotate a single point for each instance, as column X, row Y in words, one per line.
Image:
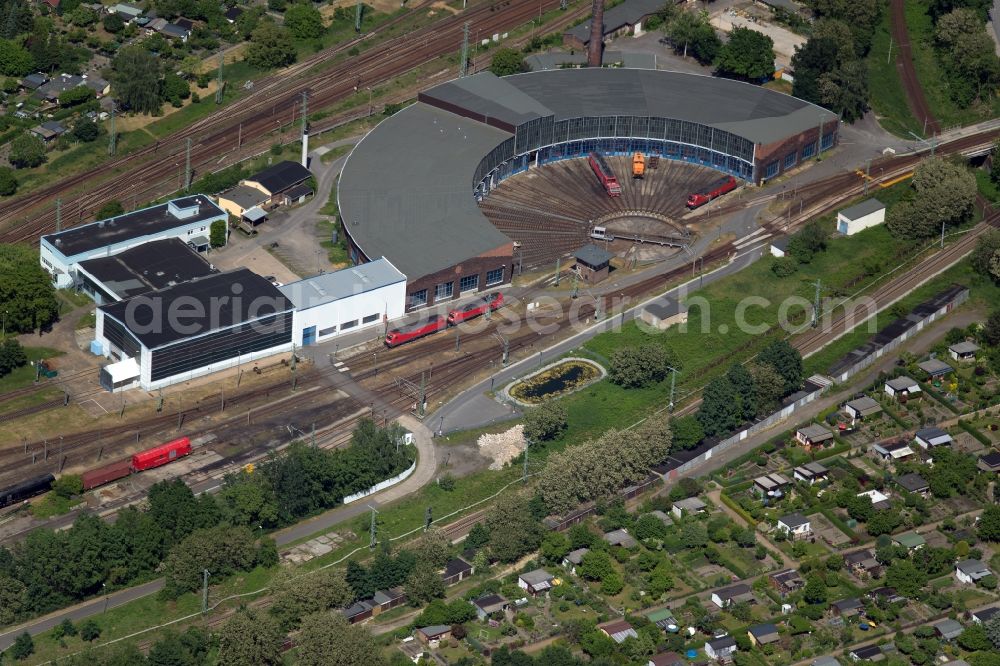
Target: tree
column 694, row 534
column 990, row 333
column 433, row 547
column 953, row 25
column 844, row 90
column 86, row 130
column 135, row 77
column 687, row 432
column 596, row 565
column 186, row 649
column 66, row 628
column 786, row 360
column 294, row 598
column 974, row 638
column 113, row 23
column 989, row 523
column 546, row 422
column 304, row 21
column 742, row 383
column 14, row 59
column 8, row 182
column 693, row 31
column 992, row 629
column 328, row 639
column 748, row 55
column 74, row 96
column 222, row 549
column 555, row 546
column 271, row 46
column 110, row 209
column 217, row 233
column 944, row 193
column 507, row 61
column 424, row 584
column 27, row 297
column 250, row 637
column 768, row 387
column 650, row 527
column 13, row 599
column 23, row 646
column 90, row 631
column 635, row 367
column 819, row 55
column 174, row 89
column 720, row 407
column 513, row 529
column 67, row 485
column 814, row 591
column 906, row 577
column 26, row 151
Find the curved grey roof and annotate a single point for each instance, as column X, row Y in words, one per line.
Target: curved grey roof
column 406, row 190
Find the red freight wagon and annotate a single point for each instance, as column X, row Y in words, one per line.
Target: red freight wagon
column 475, row 308
column 398, row 336
column 107, row 474
column 605, row 175
column 716, row 189
column 161, row 455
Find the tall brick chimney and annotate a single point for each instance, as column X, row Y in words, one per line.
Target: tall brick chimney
column 595, row 49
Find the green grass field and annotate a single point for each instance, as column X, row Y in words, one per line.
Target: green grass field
column 888, row 100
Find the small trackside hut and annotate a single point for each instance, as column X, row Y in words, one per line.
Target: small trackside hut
column 592, row 263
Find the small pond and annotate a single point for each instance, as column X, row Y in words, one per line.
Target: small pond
column 555, row 380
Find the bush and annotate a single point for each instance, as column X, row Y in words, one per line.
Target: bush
column 545, row 422
column 23, row 647
column 635, row 367
column 68, row 485
column 784, row 266
column 90, row 631
column 446, row 482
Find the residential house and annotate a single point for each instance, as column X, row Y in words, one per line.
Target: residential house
column 490, row 605
column 49, row 131
column 903, row 389
column 989, row 462
column 51, row 90
column 662, row 517
column 276, row 180
column 891, row 451
column 535, row 582
column 880, row 501
column 359, row 611
column 930, row 437
column 457, row 569
column 814, row 436
column 126, row 11
column 867, row 653
column 763, row 634
column 948, row 629
column 620, row 538
column 886, row 594
column 664, row 619
column 691, row 505
column 174, row 31
column 388, row 599
column 862, row 408
column 971, row 572
column 795, row 525
column 34, row 81
column 910, row 541
column 935, row 368
column 729, row 596
column 666, row 659
column 847, row 607
column 862, row 563
column 771, row 485
column 913, row 483
column 574, row 558
column 811, row 472
column 618, row 630
column 985, row 615
column 433, row 635
column 721, row 649
column 963, row 351
column 786, row 582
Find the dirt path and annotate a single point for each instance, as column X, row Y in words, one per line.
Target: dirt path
column 907, row 72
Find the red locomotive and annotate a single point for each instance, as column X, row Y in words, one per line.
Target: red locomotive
column 161, row 455
column 399, row 336
column 605, row 175
column 716, row 189
column 475, row 309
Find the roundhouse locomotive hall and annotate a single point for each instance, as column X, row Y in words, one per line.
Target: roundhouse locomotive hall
column 409, row 189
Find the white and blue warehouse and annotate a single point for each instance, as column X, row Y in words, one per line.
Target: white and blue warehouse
column 346, row 301
column 188, row 219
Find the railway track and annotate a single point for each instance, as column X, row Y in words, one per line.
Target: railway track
column 915, row 97
column 260, row 114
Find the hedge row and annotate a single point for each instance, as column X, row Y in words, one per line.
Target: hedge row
column 732, row 504
column 967, row 427
column 938, row 397
column 838, row 523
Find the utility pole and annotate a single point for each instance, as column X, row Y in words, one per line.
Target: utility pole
column 372, row 528
column 815, row 320
column 428, row 518
column 524, row 473
column 463, row 68
column 942, row 234
column 357, row 17
column 204, row 591
column 888, row 58
column 113, row 137
column 314, row 435
column 458, row 340
column 673, row 384
column 58, row 215
column 576, row 290
column 557, row 270
column 423, row 395
column 868, row 169
column 187, row 167
column 219, row 85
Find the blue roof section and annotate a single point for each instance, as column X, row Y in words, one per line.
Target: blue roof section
column 328, row 287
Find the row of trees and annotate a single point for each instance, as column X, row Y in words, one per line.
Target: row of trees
column 747, row 54
column 830, row 68
column 748, row 392
column 598, row 468
column 27, row 297
column 967, row 54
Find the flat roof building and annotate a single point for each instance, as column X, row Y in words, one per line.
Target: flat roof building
column 278, row 178
column 225, row 319
column 139, row 270
column 185, row 218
